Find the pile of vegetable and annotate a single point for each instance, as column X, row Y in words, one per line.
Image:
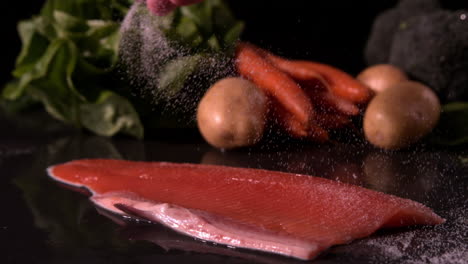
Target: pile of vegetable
column 124, row 70
column 306, row 99
column 428, row 40
column 87, row 61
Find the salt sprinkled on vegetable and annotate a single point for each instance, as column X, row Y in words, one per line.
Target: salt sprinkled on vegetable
column 161, row 67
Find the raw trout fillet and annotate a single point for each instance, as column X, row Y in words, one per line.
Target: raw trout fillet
column 282, row 213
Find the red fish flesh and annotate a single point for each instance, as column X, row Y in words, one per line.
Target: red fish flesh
column 288, row 214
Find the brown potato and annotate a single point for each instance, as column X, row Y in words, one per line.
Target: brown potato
column 232, row 114
column 382, row 76
column 401, row 115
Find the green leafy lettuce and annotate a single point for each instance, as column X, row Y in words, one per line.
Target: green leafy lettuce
column 66, row 61
column 209, row 25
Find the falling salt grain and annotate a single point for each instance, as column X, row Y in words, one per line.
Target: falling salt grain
column 144, row 50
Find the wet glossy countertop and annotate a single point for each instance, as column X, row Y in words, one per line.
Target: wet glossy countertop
column 44, row 223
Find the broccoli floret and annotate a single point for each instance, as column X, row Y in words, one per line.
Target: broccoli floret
column 387, row 24
column 433, row 48
column 429, row 43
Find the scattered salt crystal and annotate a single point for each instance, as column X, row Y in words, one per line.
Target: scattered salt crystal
column 144, row 177
column 90, row 179
column 447, row 243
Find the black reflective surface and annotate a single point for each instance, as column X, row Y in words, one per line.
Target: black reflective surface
column 44, row 223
